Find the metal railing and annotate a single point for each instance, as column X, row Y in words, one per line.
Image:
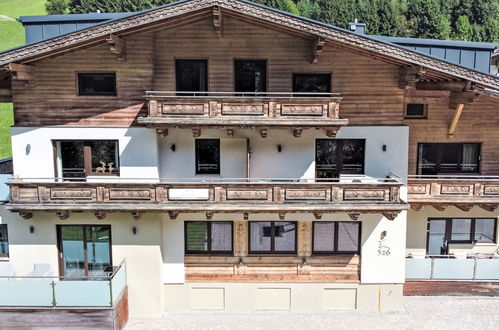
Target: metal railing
column 453, row 267
column 450, row 177
column 63, row 291
column 178, row 94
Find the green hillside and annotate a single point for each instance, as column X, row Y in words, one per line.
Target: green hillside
column 12, row 35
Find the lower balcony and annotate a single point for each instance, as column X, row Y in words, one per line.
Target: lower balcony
column 280, row 196
column 463, row 192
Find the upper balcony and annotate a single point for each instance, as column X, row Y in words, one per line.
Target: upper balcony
column 463, row 192
column 278, row 196
column 229, row 110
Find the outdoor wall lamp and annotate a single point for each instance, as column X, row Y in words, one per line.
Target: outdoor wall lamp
column 28, row 149
column 31, row 229
column 173, row 147
column 134, row 230
column 304, row 260
column 383, row 235
column 240, row 261
column 383, row 147
column 279, row 148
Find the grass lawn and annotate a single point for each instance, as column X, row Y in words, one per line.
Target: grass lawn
column 12, row 35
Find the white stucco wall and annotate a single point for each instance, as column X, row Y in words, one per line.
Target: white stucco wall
column 32, row 149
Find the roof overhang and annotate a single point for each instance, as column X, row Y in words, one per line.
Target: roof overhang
column 184, row 12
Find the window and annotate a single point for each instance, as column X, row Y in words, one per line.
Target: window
column 250, row 76
column 207, row 156
column 203, row 237
column 4, row 242
column 441, row 158
column 277, row 237
column 97, row 84
column 191, row 76
column 339, row 156
column 336, row 237
column 416, row 111
column 84, row 250
column 311, row 83
column 79, row 158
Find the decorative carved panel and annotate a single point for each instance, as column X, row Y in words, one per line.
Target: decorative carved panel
column 302, row 110
column 455, row 189
column 240, row 238
column 304, row 238
column 416, row 189
column 71, row 193
column 247, row 194
column 489, row 189
column 306, row 194
column 27, row 195
column 243, row 109
column 184, row 109
column 364, row 194
column 129, row 194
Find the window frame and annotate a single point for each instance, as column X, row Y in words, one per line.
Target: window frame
column 234, row 76
column 272, row 240
column 335, row 251
column 96, row 72
column 339, row 155
column 5, row 255
column 209, row 250
column 298, row 94
column 439, row 155
column 60, row 249
column 207, row 75
column 87, row 158
column 448, row 230
column 425, row 111
column 196, row 151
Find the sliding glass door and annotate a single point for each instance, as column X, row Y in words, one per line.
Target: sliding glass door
column 84, row 250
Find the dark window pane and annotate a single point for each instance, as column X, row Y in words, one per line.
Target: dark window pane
column 450, row 157
column 326, row 162
column 221, row 236
column 485, row 230
column 285, row 234
column 416, row 110
column 196, row 236
column 461, row 230
column 260, row 236
column 428, row 159
column 436, row 158
column 104, row 156
column 310, row 83
column 191, row 75
column 348, row 236
column 97, row 84
column 250, row 75
column 4, row 241
column 324, row 236
column 353, row 157
column 207, row 156
column 72, row 159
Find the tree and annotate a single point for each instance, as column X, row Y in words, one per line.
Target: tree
column 283, row 5
column 55, row 7
column 309, row 8
column 427, row 19
column 464, row 30
column 112, row 6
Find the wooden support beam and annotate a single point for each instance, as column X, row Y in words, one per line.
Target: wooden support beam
column 410, row 75
column 263, row 132
column 354, row 215
column 390, row 215
column 26, row 215
column 318, row 215
column 464, row 207
column 488, row 207
column 282, row 215
column 63, row 215
column 455, row 119
column 245, row 216
column 196, row 132
column 101, row 215
column 439, row 206
column 297, row 132
column 416, row 206
column 332, row 132
column 230, row 132
column 21, row 72
column 162, row 131
column 173, row 215
column 317, row 49
column 137, row 215
column 453, row 86
column 5, row 92
column 209, row 215
column 457, row 98
column 217, row 21
column 117, row 47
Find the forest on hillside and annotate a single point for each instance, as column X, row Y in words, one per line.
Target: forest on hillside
column 469, row 20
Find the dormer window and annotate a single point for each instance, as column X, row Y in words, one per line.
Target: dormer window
column 416, row 111
column 97, row 84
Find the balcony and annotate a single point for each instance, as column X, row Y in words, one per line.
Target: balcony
column 243, row 110
column 463, row 192
column 353, row 196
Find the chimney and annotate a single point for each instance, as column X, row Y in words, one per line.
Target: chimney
column 356, row 27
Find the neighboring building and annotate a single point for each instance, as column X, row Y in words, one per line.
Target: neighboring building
column 239, row 158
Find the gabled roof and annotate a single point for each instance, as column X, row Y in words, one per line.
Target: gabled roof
column 184, row 11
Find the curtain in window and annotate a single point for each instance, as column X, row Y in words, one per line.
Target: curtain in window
column 470, row 155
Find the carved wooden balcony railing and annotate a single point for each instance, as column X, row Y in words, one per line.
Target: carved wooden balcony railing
column 463, row 192
column 243, row 110
column 264, row 196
